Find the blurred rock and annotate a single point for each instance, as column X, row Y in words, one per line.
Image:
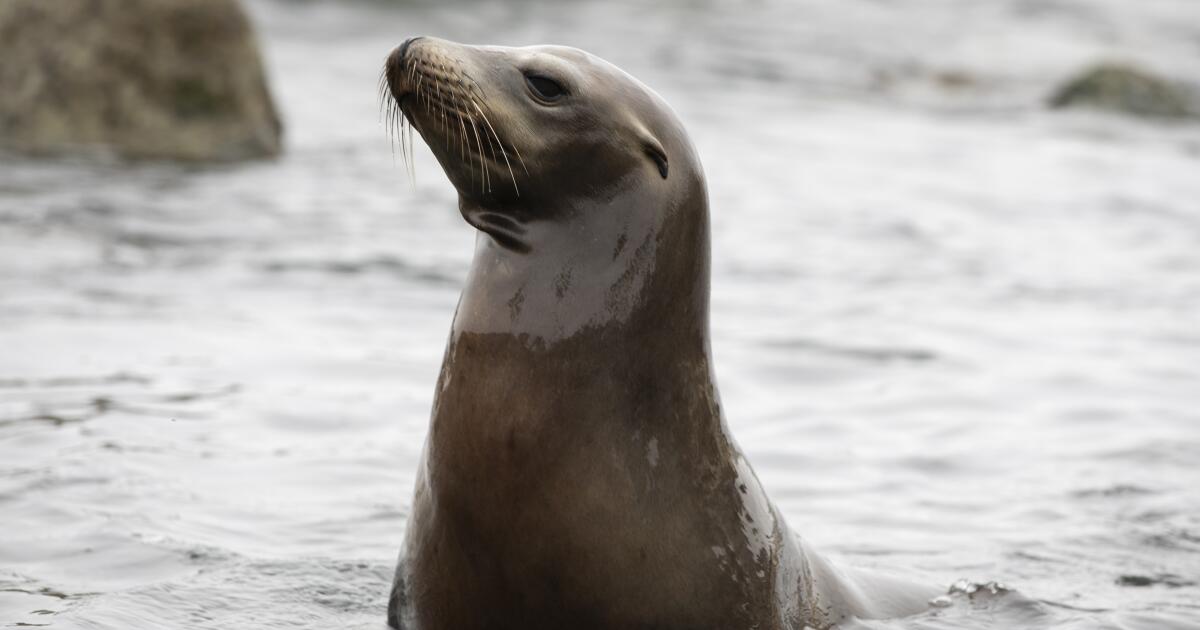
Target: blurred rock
column 955, row 79
column 143, row 79
column 1127, row 90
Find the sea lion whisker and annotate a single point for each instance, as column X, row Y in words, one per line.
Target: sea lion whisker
column 462, row 147
column 446, row 130
column 479, row 90
column 467, row 150
column 392, row 129
column 442, row 116
column 464, row 142
column 406, row 148
column 492, row 150
column 385, row 108
column 482, row 157
column 486, row 136
column 420, row 82
column 445, row 106
column 431, row 97
column 483, row 161
column 398, row 127
column 382, row 89
column 503, row 152
column 385, row 115
column 485, row 180
column 433, row 104
column 507, row 164
column 412, row 156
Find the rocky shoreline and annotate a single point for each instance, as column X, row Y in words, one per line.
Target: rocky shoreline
column 139, row 79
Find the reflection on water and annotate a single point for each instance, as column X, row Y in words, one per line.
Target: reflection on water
column 956, row 334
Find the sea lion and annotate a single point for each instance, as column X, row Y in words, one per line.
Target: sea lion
column 578, row 472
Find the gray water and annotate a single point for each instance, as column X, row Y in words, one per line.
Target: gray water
column 957, row 335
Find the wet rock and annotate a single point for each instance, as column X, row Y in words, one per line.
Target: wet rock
column 142, row 79
column 1165, row 579
column 955, row 80
column 1127, row 90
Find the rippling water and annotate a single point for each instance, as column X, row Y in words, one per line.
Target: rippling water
column 958, row 336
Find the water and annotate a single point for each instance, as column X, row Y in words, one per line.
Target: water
column 956, row 334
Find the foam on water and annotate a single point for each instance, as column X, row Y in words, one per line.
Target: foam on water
column 956, row 335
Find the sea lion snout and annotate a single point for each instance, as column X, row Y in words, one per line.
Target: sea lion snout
column 403, row 48
column 394, row 66
column 446, row 93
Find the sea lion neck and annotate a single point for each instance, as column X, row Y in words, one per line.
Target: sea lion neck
column 617, row 261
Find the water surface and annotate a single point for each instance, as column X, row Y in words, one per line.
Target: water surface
column 956, row 334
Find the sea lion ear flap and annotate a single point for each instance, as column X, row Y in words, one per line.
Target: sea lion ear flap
column 656, row 153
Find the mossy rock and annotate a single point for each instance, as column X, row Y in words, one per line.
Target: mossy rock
column 1128, row 90
column 144, row 79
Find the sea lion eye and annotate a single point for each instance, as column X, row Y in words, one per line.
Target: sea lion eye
column 544, row 88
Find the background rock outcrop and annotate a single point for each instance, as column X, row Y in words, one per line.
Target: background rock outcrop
column 141, row 79
column 1128, row 90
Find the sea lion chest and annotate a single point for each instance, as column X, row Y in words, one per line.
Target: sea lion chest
column 549, row 486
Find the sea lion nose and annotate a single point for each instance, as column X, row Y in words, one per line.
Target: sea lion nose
column 395, row 62
column 398, row 54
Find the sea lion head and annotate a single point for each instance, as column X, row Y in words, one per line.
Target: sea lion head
column 589, row 197
column 533, row 133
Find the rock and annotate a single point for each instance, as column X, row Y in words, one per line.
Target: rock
column 144, row 79
column 1127, row 90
